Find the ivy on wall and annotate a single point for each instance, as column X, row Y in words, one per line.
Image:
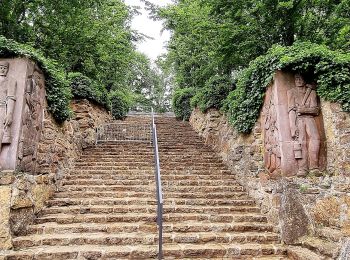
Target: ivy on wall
column 213, row 94
column 121, row 102
column 181, row 102
column 85, row 88
column 57, row 86
column 331, row 70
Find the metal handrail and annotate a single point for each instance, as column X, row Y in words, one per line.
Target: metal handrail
column 159, row 188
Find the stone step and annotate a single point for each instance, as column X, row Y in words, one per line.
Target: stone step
column 119, row 227
column 165, row 164
column 77, row 239
column 209, row 250
column 118, row 152
column 124, row 238
column 66, row 218
column 205, row 173
column 300, row 253
column 148, row 161
column 150, row 201
column 137, row 154
column 169, row 195
column 152, row 188
column 332, row 234
column 168, row 149
column 97, row 209
column 321, row 246
column 132, row 176
column 197, row 226
column 109, row 180
column 111, row 228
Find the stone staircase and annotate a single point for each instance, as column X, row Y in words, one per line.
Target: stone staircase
column 106, row 207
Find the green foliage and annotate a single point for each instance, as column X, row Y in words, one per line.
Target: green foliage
column 121, row 102
column 57, row 87
column 85, row 88
column 92, row 37
column 330, row 68
column 213, row 94
column 149, row 84
column 221, row 37
column 181, row 102
column 211, row 37
column 192, row 46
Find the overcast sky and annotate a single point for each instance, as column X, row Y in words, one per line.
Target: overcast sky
column 143, row 24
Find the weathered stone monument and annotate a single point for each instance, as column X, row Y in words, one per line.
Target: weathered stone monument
column 22, row 97
column 8, row 86
column 294, row 139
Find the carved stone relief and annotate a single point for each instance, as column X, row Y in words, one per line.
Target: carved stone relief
column 8, row 87
column 32, row 120
column 22, row 97
column 294, row 140
column 272, row 154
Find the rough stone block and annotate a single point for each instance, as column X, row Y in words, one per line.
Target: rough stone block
column 5, row 198
column 6, row 177
column 293, row 218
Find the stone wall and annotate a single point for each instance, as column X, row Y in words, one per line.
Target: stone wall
column 22, row 195
column 317, row 207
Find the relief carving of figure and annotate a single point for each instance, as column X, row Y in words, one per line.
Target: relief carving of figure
column 303, row 107
column 31, row 120
column 8, row 87
column 272, row 150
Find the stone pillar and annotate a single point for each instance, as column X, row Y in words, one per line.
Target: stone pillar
column 22, row 87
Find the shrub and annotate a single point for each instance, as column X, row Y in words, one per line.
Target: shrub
column 85, row 88
column 213, row 94
column 330, row 68
column 57, row 87
column 181, row 103
column 121, row 102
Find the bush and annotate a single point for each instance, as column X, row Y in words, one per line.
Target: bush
column 121, row 102
column 181, row 103
column 57, row 87
column 85, row 88
column 330, row 68
column 213, row 94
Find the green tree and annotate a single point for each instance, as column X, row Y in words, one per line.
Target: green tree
column 219, row 38
column 148, row 82
column 91, row 37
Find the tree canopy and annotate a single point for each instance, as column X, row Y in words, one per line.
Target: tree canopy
column 90, row 40
column 91, row 37
column 211, row 37
column 218, row 41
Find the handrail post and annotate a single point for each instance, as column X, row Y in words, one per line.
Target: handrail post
column 159, row 188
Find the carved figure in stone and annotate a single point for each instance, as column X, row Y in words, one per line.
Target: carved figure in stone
column 272, row 149
column 31, row 120
column 8, row 87
column 302, row 109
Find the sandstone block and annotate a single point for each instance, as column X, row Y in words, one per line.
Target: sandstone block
column 6, row 178
column 5, row 198
column 294, row 221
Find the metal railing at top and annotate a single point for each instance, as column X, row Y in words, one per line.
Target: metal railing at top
column 159, row 188
column 124, row 132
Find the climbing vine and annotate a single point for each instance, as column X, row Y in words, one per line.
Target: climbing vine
column 181, row 102
column 85, row 88
column 121, row 102
column 213, row 94
column 330, row 68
